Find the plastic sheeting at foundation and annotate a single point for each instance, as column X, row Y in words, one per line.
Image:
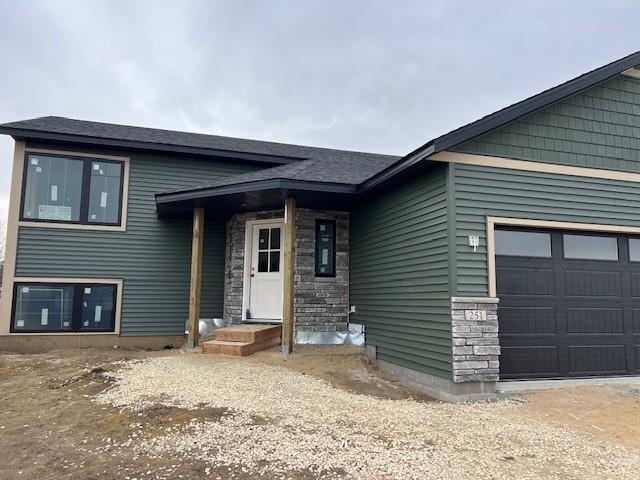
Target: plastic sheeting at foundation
column 355, row 336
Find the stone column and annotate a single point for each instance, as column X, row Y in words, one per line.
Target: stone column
column 476, row 348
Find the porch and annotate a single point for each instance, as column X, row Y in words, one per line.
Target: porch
column 286, row 262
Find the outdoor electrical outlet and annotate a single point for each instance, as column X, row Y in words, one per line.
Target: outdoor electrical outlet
column 474, row 241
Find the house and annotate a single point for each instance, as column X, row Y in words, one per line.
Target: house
column 506, row 249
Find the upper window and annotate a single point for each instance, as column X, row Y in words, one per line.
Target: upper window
column 525, row 244
column 590, row 247
column 64, row 307
column 72, row 190
column 325, row 248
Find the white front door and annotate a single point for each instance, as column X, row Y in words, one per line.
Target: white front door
column 265, row 275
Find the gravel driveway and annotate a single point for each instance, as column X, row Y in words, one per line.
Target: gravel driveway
column 277, row 422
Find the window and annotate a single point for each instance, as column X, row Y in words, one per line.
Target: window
column 525, row 244
column 269, row 249
column 64, row 308
column 72, row 190
column 634, row 249
column 325, row 248
column 590, row 247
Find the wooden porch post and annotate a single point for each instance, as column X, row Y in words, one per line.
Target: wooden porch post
column 196, row 277
column 288, row 274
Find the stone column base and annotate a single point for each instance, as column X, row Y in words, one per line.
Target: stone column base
column 474, row 331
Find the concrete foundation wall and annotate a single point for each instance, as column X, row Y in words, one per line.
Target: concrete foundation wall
column 434, row 386
column 45, row 343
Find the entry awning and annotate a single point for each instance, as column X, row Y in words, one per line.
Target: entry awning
column 262, row 195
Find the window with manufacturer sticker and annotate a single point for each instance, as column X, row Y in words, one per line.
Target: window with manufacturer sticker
column 325, row 248
column 58, row 307
column 72, row 190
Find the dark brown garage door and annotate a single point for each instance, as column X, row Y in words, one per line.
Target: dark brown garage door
column 569, row 303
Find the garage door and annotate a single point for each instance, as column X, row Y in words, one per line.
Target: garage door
column 569, row 303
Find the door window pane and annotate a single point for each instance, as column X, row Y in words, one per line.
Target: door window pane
column 275, row 239
column 263, row 239
column 104, row 192
column 634, row 249
column 274, row 262
column 263, row 261
column 43, row 308
column 98, row 304
column 590, row 247
column 526, row 244
column 53, row 188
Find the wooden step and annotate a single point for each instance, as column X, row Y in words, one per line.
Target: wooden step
column 239, row 348
column 248, row 333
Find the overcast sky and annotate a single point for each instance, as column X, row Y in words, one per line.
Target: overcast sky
column 382, row 76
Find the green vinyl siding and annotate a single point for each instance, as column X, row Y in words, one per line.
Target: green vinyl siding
column 399, row 274
column 484, row 191
column 598, row 128
column 152, row 257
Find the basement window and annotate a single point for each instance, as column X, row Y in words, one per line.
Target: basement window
column 64, row 308
column 62, row 189
column 325, row 248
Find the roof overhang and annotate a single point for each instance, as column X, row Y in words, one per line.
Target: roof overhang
column 269, row 194
column 64, row 138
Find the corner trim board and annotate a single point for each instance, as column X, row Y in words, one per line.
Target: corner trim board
column 11, row 246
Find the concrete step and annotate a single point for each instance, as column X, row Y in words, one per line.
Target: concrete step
column 239, row 348
column 248, row 333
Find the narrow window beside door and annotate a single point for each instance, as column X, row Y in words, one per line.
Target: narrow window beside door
column 325, row 248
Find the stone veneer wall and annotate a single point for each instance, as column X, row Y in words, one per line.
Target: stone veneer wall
column 320, row 303
column 476, row 349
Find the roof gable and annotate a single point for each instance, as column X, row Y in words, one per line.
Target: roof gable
column 596, row 128
column 507, row 115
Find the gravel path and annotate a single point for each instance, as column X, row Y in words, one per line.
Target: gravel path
column 277, row 422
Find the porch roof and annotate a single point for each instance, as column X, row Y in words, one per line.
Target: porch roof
column 328, row 183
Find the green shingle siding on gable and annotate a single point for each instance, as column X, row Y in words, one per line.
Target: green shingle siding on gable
column 153, row 256
column 498, row 192
column 399, row 274
column 598, row 128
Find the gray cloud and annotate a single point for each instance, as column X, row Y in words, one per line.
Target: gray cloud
column 365, row 75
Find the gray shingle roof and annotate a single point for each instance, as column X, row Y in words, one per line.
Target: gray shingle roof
column 331, row 170
column 170, row 138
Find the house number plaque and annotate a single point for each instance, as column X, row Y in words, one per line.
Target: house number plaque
column 475, row 314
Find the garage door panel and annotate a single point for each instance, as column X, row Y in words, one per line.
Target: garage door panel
column 635, row 284
column 524, row 281
column 585, row 283
column 635, row 320
column 597, row 359
column 532, row 360
column 564, row 317
column 595, row 320
column 527, row 320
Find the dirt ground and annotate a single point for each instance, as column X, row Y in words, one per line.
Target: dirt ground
column 51, row 427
